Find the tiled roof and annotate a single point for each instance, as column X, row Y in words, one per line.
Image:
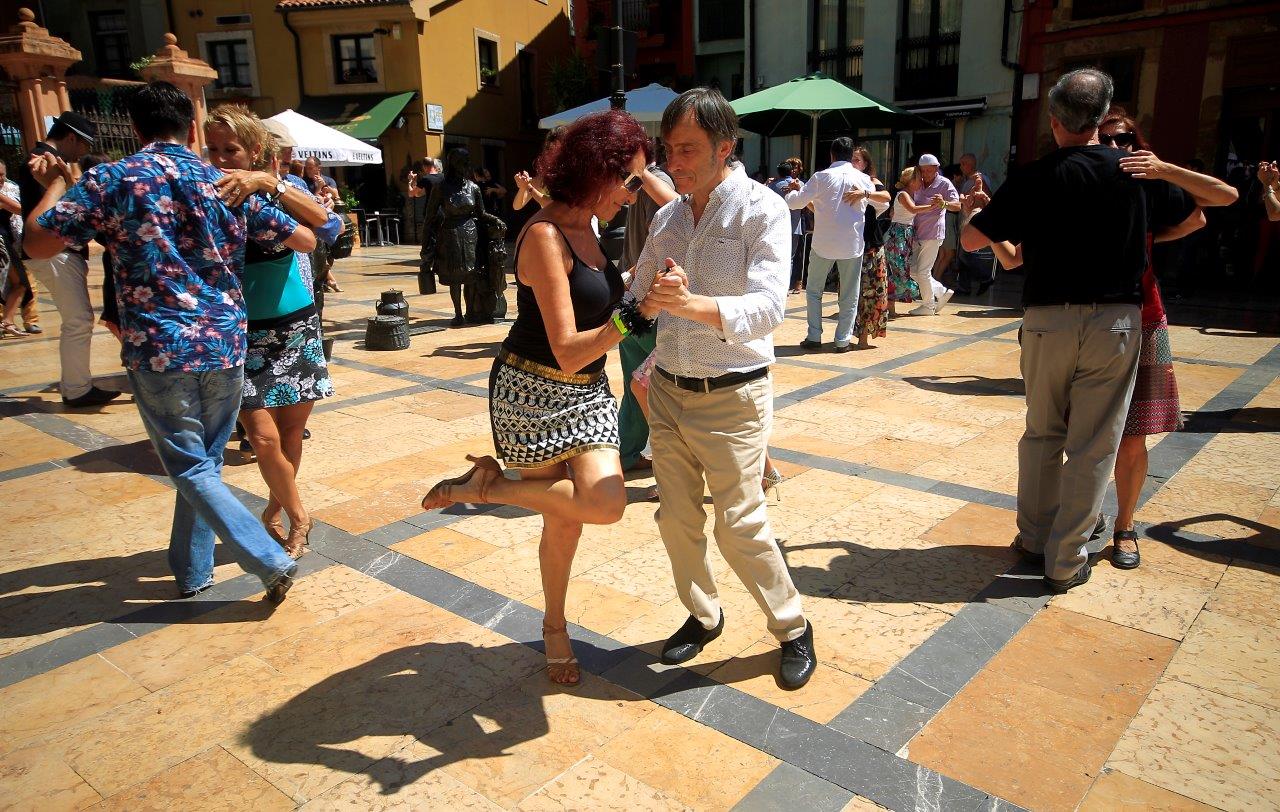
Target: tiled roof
column 303, row 5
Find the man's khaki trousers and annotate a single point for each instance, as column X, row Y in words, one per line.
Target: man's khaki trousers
column 1079, row 363
column 720, row 436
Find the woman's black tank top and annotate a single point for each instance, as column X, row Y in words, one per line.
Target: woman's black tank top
column 594, row 295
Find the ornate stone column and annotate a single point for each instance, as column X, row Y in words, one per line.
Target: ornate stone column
column 191, row 76
column 37, row 62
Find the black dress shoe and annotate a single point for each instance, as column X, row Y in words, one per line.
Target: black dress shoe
column 844, row 347
column 1080, row 578
column 1027, row 555
column 94, row 397
column 192, row 593
column 688, row 641
column 34, row 329
column 1123, row 559
column 799, row 660
column 811, row 345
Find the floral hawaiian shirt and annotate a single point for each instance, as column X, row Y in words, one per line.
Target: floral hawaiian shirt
column 178, row 255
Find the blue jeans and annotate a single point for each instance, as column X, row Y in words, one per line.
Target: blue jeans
column 850, row 271
column 190, row 416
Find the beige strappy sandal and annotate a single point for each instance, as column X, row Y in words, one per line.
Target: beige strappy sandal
column 441, row 495
column 561, row 670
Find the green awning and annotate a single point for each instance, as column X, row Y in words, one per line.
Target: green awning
column 364, row 116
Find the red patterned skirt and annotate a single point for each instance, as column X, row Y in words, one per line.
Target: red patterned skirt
column 1154, row 408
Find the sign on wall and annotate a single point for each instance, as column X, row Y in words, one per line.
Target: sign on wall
column 435, row 117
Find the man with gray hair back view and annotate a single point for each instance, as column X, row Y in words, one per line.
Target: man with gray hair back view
column 716, row 264
column 1081, row 225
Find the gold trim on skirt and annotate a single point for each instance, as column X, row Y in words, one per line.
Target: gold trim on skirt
column 544, row 371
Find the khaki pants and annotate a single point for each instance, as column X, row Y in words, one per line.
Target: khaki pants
column 1081, row 359
column 720, row 436
column 65, row 276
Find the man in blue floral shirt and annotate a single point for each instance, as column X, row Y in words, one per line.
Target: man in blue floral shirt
column 178, row 253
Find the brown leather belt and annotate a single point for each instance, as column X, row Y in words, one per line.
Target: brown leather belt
column 712, row 384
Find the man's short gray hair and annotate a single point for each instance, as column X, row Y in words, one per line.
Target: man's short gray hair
column 1080, row 99
column 711, row 112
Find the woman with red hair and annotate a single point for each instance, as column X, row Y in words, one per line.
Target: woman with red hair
column 554, row 419
column 1154, row 408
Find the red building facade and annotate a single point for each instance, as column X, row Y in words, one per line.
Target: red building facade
column 1201, row 78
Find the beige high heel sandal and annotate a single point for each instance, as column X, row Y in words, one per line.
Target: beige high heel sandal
column 561, row 670
column 441, row 494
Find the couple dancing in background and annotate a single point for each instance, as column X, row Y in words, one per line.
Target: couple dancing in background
column 710, row 399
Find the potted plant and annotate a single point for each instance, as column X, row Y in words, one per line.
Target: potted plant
column 347, row 204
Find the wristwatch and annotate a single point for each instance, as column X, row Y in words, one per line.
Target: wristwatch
column 281, row 188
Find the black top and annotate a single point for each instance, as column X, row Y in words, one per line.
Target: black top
column 428, row 181
column 1082, row 223
column 28, row 187
column 872, row 229
column 594, row 295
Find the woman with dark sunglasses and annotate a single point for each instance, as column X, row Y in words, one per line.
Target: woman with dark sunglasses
column 1154, row 408
column 553, row 416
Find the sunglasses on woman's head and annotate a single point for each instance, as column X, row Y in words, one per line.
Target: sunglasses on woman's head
column 631, row 181
column 1118, row 140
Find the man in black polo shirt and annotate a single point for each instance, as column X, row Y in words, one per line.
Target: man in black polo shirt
column 1081, row 223
column 65, row 275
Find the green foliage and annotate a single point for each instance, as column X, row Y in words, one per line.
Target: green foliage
column 138, row 65
column 349, row 198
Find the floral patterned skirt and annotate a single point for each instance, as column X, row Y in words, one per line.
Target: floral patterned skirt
column 897, row 253
column 285, row 364
column 1155, row 408
column 873, row 301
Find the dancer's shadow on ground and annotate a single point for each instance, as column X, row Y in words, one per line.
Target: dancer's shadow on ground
column 961, row 385
column 1262, row 549
column 467, row 352
column 459, row 700
column 69, row 594
column 1249, row 420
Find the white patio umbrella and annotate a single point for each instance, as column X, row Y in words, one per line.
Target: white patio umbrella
column 644, row 103
column 329, row 146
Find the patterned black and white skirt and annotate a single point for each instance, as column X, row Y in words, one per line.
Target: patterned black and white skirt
column 542, row 416
column 285, row 363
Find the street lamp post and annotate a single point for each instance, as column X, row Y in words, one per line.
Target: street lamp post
column 618, row 101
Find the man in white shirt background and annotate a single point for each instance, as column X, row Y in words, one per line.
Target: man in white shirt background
column 716, row 265
column 837, row 238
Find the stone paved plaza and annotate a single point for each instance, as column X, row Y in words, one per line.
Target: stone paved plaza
column 404, row 671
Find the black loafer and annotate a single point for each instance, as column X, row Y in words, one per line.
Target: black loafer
column 799, row 660
column 844, row 348
column 94, row 397
column 1027, row 555
column 277, row 591
column 1122, row 559
column 811, row 345
column 192, row 593
column 1081, row 577
column 689, row 640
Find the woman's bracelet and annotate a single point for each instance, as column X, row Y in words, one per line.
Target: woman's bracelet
column 629, row 321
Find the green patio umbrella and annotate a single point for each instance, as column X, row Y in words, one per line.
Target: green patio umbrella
column 806, row 104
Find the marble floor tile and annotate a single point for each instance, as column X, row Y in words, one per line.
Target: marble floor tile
column 37, row 778
column 1156, row 602
column 1203, row 745
column 598, row 607
column 1116, row 792
column 214, row 780
column 400, row 783
column 445, row 548
column 1232, row 656
column 754, row 671
column 979, row 528
column 39, row 707
column 696, row 765
column 594, row 784
column 864, row 642
column 183, row 649
column 169, row 726
column 1249, row 592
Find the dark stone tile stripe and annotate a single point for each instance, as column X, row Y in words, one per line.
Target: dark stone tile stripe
column 30, row 470
column 427, row 380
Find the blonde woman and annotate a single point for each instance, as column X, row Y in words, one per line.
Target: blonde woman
column 285, row 369
column 897, row 241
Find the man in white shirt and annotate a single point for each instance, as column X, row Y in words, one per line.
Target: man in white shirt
column 837, row 239
column 716, row 265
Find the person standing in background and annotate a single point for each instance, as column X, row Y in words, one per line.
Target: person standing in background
column 65, row 274
column 940, row 195
column 793, row 168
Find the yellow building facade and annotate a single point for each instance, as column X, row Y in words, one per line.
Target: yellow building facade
column 415, row 77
